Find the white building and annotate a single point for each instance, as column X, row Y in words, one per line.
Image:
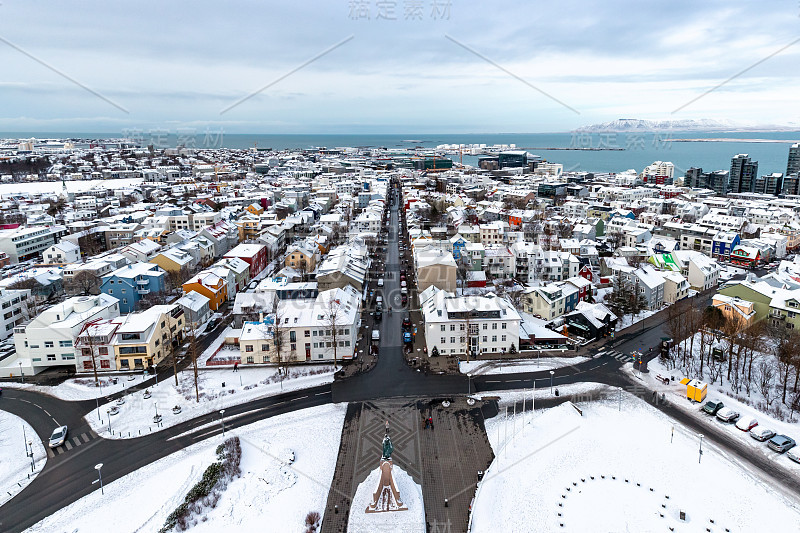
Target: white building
column 62, row 253
column 306, row 330
column 13, row 306
column 480, row 324
column 26, row 243
column 49, row 339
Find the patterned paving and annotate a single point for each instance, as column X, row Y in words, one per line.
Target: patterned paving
column 444, row 461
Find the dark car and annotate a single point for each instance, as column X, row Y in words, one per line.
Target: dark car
column 406, row 322
column 712, row 407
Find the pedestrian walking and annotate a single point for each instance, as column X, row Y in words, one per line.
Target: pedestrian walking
column 236, row 366
column 430, row 421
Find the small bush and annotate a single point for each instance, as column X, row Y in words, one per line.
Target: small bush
column 312, row 522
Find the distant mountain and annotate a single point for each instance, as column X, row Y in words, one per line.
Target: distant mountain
column 639, row 125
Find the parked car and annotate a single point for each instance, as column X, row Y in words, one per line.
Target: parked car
column 781, row 443
column 58, row 437
column 380, row 282
column 712, row 407
column 726, row 414
column 794, row 455
column 746, row 423
column 760, row 433
column 406, row 322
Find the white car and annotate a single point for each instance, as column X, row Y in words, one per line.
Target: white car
column 58, row 437
column 760, row 433
column 794, row 455
column 727, row 414
column 380, row 282
column 746, row 423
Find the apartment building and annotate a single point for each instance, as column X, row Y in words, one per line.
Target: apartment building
column 306, row 330
column 25, row 243
column 49, row 339
column 468, row 325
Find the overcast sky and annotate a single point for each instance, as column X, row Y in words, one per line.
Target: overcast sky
column 507, row 66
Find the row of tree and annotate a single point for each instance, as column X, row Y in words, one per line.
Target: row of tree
column 763, row 356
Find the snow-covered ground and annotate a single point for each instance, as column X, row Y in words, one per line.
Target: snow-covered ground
column 618, row 470
column 135, row 416
column 73, row 186
column 82, row 388
column 409, row 521
column 15, row 465
column 477, row 368
column 271, row 495
column 676, row 394
column 629, row 320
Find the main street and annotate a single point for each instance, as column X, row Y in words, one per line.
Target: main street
column 68, row 477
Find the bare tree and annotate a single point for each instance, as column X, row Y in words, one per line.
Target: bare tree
column 86, row 342
column 331, row 322
column 279, row 335
column 194, row 351
column 765, row 375
column 83, row 282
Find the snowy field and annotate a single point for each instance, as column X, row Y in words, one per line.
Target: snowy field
column 15, row 466
column 409, row 521
column 479, row 368
column 73, row 186
column 616, row 470
column 136, row 414
column 81, row 388
column 271, row 495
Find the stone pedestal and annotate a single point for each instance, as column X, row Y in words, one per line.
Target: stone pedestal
column 386, row 498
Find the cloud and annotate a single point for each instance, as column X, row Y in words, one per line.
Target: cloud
column 170, row 63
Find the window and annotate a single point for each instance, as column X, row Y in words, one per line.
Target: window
column 67, row 356
column 307, row 333
column 442, row 328
column 494, row 338
column 452, row 340
column 485, row 326
column 105, row 364
column 347, row 343
column 65, row 344
column 51, row 357
column 249, row 358
column 293, row 347
column 503, row 325
column 443, row 339
column 34, row 346
column 48, row 344
column 248, row 347
column 265, row 359
column 462, row 327
column 103, row 350
column 292, row 336
column 452, row 327
column 264, row 347
column 494, row 325
column 484, row 338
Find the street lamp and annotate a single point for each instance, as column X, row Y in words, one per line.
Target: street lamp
column 20, row 371
column 108, row 412
column 551, row 381
column 30, row 446
column 701, row 448
column 155, row 368
column 97, row 404
column 222, row 419
column 99, row 479
column 469, row 384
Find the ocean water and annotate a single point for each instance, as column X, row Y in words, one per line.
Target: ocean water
column 635, row 150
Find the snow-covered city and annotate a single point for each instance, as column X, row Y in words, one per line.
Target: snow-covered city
column 299, row 273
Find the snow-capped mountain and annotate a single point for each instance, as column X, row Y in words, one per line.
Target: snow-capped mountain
column 635, row 124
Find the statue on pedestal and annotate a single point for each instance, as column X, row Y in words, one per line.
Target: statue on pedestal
column 386, row 498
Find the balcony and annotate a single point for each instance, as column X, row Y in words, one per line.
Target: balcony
column 143, row 291
column 141, row 282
